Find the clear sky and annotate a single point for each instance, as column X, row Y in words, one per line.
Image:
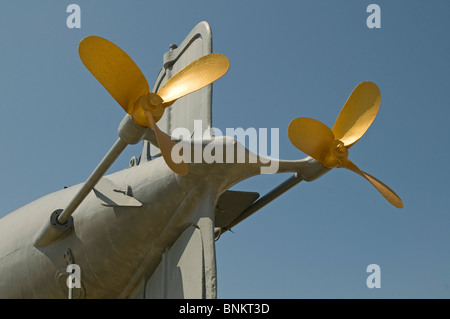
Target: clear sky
column 288, row 59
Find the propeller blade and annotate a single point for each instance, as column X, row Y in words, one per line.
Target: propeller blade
column 313, row 138
column 357, row 113
column 166, row 144
column 115, row 70
column 194, row 76
column 384, row 190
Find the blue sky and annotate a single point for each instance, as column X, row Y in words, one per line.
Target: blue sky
column 288, row 59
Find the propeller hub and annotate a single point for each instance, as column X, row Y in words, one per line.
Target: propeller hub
column 335, row 156
column 340, row 153
column 340, row 150
column 152, row 102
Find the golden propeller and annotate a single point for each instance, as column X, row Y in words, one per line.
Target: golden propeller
column 122, row 78
column 330, row 146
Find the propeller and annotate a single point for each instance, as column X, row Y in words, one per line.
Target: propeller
column 330, row 146
column 123, row 79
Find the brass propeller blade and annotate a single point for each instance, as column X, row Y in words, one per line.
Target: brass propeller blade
column 384, row 190
column 357, row 114
column 313, row 138
column 115, row 70
column 165, row 145
column 194, row 76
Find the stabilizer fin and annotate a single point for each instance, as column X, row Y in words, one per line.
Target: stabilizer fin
column 111, row 195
